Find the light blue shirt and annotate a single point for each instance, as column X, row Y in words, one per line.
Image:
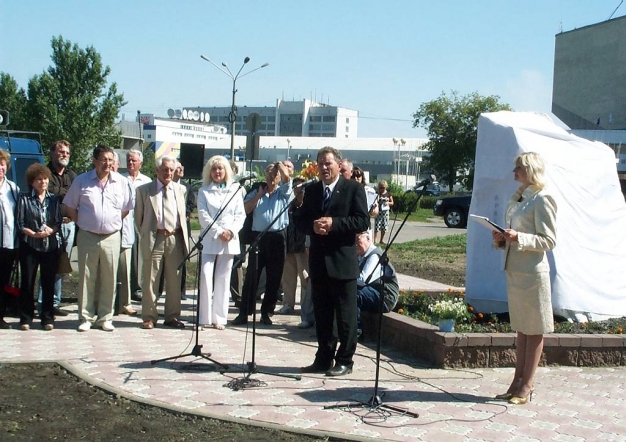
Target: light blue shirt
column 269, row 206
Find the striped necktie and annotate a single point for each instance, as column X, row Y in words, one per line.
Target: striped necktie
column 327, row 195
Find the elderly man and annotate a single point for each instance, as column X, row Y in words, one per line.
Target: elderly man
column 265, row 204
column 98, row 201
column 345, row 168
column 130, row 265
column 160, row 219
column 333, row 211
column 60, row 182
column 290, row 167
column 371, row 282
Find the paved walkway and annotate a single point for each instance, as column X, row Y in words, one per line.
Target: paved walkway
column 571, row 404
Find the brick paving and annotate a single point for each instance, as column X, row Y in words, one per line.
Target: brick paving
column 570, row 404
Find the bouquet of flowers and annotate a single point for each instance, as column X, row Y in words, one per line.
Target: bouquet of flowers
column 309, row 170
column 449, row 309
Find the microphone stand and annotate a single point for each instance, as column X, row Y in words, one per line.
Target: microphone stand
column 375, row 403
column 197, row 349
column 252, row 368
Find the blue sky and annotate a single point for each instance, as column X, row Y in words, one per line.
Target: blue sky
column 382, row 59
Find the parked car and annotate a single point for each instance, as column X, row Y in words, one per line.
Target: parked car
column 454, row 210
column 432, row 189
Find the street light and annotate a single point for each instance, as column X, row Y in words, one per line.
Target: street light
column 139, row 121
column 288, row 147
column 232, row 116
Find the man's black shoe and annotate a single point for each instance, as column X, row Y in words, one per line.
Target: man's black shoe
column 316, row 368
column 240, row 320
column 265, row 319
column 4, row 325
column 339, row 370
column 58, row 312
column 183, row 297
column 136, row 296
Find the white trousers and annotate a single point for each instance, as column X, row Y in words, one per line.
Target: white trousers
column 214, row 289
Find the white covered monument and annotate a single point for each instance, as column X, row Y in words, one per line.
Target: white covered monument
column 588, row 265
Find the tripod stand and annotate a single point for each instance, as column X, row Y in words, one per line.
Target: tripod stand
column 197, row 349
column 252, row 368
column 375, row 402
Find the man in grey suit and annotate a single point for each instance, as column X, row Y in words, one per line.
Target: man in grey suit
column 160, row 219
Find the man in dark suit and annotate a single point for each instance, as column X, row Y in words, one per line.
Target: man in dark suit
column 334, row 210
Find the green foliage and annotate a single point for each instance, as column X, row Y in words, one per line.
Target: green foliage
column 71, row 101
column 419, row 305
column 13, row 99
column 402, row 202
column 452, row 122
column 149, row 165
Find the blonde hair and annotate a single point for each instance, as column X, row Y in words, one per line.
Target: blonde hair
column 534, row 166
column 222, row 161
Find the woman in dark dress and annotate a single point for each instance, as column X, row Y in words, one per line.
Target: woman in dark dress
column 38, row 221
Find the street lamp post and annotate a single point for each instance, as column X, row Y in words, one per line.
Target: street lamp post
column 139, row 123
column 232, row 116
column 288, row 147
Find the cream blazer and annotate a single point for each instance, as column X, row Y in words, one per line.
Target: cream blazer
column 146, row 215
column 211, row 199
column 534, row 218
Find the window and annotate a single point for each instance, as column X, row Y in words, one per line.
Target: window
column 330, row 118
column 149, row 136
column 315, row 119
column 347, row 120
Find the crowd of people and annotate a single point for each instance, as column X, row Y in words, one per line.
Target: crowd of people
column 132, row 235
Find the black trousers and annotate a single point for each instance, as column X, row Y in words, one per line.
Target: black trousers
column 271, row 257
column 7, row 258
column 30, row 261
column 334, row 298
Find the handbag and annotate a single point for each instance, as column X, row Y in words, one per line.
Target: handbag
column 13, row 286
column 64, row 266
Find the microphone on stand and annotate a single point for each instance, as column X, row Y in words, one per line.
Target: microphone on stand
column 252, row 176
column 427, row 181
column 306, row 183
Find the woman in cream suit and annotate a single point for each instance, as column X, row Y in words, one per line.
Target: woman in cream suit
column 531, row 217
column 221, row 242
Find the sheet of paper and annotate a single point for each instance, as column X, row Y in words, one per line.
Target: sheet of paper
column 485, row 222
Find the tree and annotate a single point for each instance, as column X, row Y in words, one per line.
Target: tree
column 13, row 99
column 71, row 101
column 452, row 123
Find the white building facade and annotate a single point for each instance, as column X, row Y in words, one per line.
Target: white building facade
column 304, row 118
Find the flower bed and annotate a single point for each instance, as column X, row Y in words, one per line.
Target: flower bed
column 429, row 307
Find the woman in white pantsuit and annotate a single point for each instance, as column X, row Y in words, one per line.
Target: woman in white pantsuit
column 221, row 242
column 531, row 217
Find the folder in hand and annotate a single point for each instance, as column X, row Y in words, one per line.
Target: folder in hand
column 485, row 222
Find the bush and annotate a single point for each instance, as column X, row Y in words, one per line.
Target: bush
column 403, row 201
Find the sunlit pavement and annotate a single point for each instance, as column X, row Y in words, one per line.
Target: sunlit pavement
column 570, row 404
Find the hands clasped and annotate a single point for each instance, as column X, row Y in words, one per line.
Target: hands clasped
column 323, row 225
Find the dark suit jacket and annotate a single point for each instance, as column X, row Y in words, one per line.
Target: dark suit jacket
column 335, row 253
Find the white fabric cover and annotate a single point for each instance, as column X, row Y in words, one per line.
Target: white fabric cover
column 588, row 265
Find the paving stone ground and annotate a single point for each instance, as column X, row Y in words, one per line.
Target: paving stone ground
column 570, row 404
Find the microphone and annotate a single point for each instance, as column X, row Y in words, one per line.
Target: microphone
column 247, row 178
column 427, row 181
column 306, row 183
